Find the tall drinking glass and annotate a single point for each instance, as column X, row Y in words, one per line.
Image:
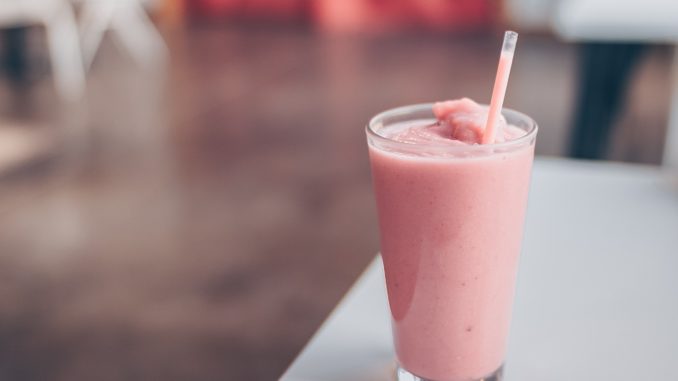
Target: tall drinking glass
column 451, row 224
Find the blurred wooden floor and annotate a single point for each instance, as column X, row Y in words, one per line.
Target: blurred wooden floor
column 199, row 223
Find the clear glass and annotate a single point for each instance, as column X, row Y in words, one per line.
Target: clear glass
column 424, row 111
column 451, row 222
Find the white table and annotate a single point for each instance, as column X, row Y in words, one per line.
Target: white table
column 597, row 295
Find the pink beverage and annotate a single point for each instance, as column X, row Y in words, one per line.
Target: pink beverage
column 451, row 215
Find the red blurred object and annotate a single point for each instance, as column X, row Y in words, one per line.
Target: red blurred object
column 460, row 14
column 251, row 9
column 212, row 7
column 360, row 15
column 384, row 15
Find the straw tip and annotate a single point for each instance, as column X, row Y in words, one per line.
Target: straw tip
column 510, row 40
column 511, row 34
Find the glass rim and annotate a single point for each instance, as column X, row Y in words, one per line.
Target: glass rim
column 530, row 132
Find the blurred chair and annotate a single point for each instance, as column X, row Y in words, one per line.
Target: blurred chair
column 613, row 34
column 129, row 22
column 62, row 38
column 15, row 52
column 605, row 73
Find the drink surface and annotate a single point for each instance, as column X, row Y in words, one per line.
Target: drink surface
column 451, row 229
column 459, row 122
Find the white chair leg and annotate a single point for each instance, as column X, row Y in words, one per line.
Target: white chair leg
column 65, row 53
column 138, row 35
column 671, row 144
column 95, row 19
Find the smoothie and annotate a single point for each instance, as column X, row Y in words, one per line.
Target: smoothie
column 451, row 214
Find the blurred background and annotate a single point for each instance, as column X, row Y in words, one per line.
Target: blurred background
column 184, row 185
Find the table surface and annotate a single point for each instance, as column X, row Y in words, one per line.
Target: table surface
column 596, row 296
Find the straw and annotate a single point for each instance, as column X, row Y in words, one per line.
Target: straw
column 500, row 83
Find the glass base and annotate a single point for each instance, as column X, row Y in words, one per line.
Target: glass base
column 403, row 375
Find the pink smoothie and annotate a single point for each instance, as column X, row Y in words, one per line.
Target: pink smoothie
column 451, row 214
